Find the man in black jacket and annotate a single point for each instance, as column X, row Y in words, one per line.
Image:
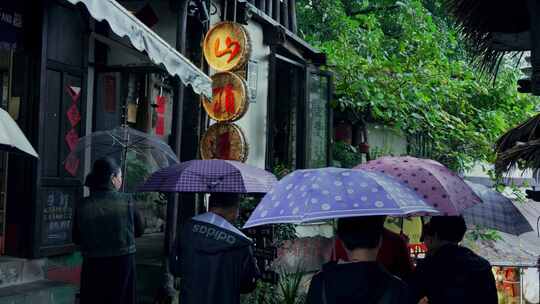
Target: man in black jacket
column 362, row 279
column 215, row 259
column 450, row 273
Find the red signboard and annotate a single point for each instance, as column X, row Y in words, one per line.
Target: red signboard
column 109, row 84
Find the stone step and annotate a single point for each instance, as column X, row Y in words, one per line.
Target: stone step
column 38, row 292
column 19, row 271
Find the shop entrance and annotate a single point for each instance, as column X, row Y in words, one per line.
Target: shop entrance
column 299, row 115
column 142, row 99
column 287, row 111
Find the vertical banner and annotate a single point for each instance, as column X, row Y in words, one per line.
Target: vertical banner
column 109, row 84
column 161, row 102
column 73, row 114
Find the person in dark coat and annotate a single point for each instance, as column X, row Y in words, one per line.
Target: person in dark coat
column 362, row 279
column 451, row 273
column 213, row 258
column 106, row 225
column 393, row 254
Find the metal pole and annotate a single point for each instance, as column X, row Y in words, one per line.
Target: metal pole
column 520, row 285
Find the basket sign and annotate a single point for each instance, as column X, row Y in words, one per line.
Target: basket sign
column 226, row 46
column 229, row 102
column 224, row 141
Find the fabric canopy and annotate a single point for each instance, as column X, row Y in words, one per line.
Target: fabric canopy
column 12, row 139
column 125, row 24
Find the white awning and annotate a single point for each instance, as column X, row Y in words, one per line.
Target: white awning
column 12, row 139
column 125, row 24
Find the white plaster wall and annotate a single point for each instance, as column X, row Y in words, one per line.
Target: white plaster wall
column 479, row 174
column 254, row 123
column 384, row 138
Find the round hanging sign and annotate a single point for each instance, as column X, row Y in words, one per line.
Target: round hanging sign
column 229, row 102
column 224, row 141
column 226, row 46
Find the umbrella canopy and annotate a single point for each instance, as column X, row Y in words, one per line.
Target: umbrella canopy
column 512, row 250
column 12, row 139
column 320, row 194
column 440, row 187
column 139, row 154
column 497, row 212
column 206, row 176
column 519, row 145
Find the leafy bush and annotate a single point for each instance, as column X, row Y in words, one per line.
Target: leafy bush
column 404, row 64
column 347, row 155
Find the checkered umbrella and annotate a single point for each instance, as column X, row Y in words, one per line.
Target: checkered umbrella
column 497, row 212
column 207, row 176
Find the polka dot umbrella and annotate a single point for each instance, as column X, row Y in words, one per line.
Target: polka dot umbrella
column 436, row 184
column 320, row 194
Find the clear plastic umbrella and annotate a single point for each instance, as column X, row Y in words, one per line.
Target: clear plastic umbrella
column 139, row 154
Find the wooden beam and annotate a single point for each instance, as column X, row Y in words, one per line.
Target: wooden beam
column 285, row 14
column 277, row 11
column 269, row 7
column 261, row 4
column 293, row 26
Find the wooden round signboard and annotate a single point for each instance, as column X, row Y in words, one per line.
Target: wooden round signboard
column 224, row 141
column 226, row 46
column 229, row 102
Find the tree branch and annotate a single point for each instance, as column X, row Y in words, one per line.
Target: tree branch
column 374, row 9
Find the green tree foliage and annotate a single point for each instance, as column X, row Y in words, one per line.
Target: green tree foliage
column 403, row 63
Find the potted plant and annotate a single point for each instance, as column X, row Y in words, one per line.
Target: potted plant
column 363, row 148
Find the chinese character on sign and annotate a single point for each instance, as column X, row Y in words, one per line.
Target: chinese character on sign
column 232, row 47
column 229, row 98
column 17, row 20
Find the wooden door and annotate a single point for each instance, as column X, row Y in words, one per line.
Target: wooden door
column 62, row 115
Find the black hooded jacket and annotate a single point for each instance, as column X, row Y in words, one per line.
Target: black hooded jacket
column 215, row 260
column 454, row 274
column 356, row 283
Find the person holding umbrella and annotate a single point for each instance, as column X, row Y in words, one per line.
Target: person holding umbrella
column 393, row 254
column 106, row 225
column 213, row 258
column 451, row 273
column 362, row 279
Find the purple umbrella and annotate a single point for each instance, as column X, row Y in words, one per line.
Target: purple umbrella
column 320, row 194
column 440, row 187
column 210, row 176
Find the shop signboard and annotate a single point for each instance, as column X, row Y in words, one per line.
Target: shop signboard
column 252, row 79
column 229, row 102
column 265, row 251
column 226, row 46
column 57, row 216
column 227, row 49
column 224, row 141
column 11, row 23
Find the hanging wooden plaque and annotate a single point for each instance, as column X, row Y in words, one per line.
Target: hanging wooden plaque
column 226, row 46
column 224, row 141
column 230, row 94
